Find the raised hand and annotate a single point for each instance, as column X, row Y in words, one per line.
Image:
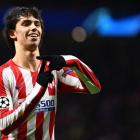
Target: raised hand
column 56, row 61
column 44, row 77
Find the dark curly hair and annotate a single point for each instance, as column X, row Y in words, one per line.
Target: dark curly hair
column 14, row 16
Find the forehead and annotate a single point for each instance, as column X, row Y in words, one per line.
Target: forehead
column 28, row 18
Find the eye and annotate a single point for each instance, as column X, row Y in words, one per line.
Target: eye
column 25, row 23
column 38, row 24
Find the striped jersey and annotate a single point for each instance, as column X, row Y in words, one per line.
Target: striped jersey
column 28, row 110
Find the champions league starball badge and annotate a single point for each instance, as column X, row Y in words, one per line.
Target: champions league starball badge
column 4, row 102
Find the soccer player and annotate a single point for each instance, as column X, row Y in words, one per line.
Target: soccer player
column 29, row 83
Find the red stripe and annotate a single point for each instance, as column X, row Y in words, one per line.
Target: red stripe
column 2, row 89
column 4, row 137
column 51, row 91
column 62, row 87
column 67, row 88
column 39, row 116
column 3, row 93
column 19, row 82
column 22, row 130
column 39, row 126
column 26, row 113
column 52, row 122
column 34, row 77
column 84, row 70
column 51, row 86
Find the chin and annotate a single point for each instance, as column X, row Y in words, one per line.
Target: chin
column 33, row 47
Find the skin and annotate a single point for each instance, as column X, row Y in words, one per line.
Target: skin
column 26, row 46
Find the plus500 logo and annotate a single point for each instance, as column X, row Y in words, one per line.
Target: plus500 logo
column 46, row 103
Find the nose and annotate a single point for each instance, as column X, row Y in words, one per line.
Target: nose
column 33, row 27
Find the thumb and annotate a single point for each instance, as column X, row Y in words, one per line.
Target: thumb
column 42, row 66
column 47, row 57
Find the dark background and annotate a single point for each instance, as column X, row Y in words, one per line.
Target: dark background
column 114, row 113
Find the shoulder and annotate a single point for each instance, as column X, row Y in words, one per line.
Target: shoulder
column 5, row 65
column 69, row 57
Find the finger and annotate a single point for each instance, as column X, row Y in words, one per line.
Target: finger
column 53, row 63
column 50, row 79
column 49, row 75
column 42, row 66
column 47, row 57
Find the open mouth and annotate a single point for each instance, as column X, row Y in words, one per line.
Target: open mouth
column 33, row 35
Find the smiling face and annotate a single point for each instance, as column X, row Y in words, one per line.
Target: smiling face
column 27, row 33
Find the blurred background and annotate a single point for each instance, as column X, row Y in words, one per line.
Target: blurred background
column 106, row 36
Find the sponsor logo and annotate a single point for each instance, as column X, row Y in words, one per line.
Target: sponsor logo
column 19, row 86
column 4, row 102
column 45, row 105
column 66, row 72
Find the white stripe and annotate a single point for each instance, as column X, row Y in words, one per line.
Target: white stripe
column 6, row 121
column 13, row 135
column 31, row 123
column 27, row 79
column 46, row 135
column 9, row 80
column 70, row 80
column 70, row 57
column 53, row 138
column 31, row 127
column 55, row 84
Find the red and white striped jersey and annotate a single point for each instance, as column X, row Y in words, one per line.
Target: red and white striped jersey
column 28, row 110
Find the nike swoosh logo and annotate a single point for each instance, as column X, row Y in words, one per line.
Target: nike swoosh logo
column 19, row 86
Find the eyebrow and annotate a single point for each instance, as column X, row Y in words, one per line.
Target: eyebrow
column 27, row 20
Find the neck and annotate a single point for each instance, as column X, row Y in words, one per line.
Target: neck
column 27, row 59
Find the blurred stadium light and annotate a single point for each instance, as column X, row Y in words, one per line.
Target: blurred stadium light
column 98, row 22
column 101, row 22
column 79, row 34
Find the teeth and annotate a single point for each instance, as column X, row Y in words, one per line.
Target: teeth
column 33, row 35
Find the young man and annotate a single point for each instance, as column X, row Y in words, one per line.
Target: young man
column 29, row 83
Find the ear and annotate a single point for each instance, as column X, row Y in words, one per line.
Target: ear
column 12, row 34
